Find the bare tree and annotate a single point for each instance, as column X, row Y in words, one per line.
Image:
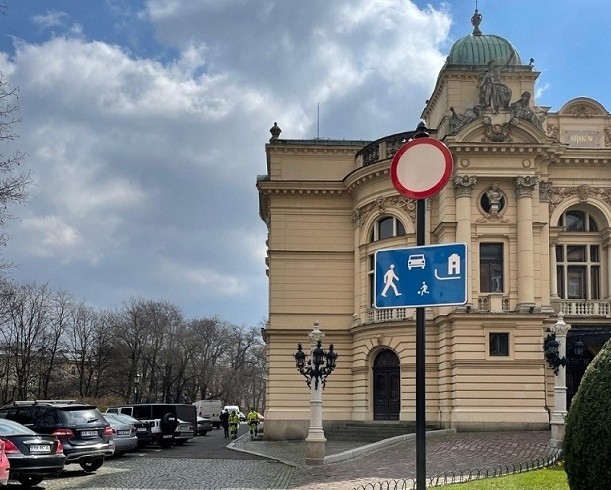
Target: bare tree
column 13, row 185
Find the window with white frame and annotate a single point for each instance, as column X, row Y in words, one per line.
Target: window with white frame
column 578, row 261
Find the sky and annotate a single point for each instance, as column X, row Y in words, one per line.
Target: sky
column 145, row 122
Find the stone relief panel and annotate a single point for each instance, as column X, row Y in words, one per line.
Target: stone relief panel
column 360, row 215
column 558, row 194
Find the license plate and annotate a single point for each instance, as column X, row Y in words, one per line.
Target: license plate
column 89, row 433
column 142, row 429
column 40, row 448
column 123, row 432
column 167, row 436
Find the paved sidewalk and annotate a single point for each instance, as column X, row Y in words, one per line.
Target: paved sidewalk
column 454, row 454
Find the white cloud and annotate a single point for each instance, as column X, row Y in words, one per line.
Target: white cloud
column 52, row 18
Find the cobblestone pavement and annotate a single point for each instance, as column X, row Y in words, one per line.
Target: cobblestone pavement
column 460, row 452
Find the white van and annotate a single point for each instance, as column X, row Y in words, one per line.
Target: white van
column 210, row 409
column 231, row 408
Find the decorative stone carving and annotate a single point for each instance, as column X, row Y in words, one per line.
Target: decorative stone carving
column 360, row 215
column 526, row 185
column 520, row 109
column 553, row 131
column 493, row 93
column 559, row 194
column 495, row 196
column 582, row 192
column 545, row 189
column 581, row 109
column 275, row 130
column 463, row 185
column 496, row 133
column 459, row 121
column 607, row 136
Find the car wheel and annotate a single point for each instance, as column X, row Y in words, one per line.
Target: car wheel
column 92, row 465
column 168, row 423
column 30, row 480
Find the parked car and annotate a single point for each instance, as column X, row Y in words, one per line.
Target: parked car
column 163, row 418
column 204, row 425
column 4, row 465
column 183, row 432
column 124, row 434
column 32, row 456
column 143, row 429
column 84, row 433
column 242, row 416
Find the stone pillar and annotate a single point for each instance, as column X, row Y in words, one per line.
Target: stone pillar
column 315, row 441
column 553, row 274
column 463, row 185
column 558, row 415
column 526, row 261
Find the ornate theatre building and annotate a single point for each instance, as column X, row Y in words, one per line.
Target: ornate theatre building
column 530, row 195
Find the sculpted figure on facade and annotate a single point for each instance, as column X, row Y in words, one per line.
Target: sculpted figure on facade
column 493, row 93
column 459, row 121
column 520, row 109
column 494, row 196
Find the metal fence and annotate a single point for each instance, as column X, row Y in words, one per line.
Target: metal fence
column 464, row 475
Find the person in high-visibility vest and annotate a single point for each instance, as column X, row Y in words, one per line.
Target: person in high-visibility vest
column 234, row 423
column 253, row 422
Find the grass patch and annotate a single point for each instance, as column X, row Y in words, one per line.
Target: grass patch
column 552, row 478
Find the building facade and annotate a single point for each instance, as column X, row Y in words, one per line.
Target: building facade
column 530, row 195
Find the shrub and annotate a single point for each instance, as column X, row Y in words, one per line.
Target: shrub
column 587, row 441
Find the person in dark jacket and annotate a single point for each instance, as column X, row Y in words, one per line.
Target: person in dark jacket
column 224, row 416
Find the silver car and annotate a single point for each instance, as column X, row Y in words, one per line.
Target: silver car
column 124, row 434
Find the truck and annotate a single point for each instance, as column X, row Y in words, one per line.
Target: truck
column 210, row 409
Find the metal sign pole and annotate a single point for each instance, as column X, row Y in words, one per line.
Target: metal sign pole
column 420, row 368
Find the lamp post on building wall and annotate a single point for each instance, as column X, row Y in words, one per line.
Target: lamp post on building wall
column 320, row 365
column 554, row 347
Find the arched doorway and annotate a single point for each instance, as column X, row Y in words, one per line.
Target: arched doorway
column 386, row 386
column 593, row 339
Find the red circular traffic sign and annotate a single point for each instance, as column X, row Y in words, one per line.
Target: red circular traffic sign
column 421, row 168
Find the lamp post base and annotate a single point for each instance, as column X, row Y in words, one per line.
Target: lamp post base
column 558, row 430
column 315, row 452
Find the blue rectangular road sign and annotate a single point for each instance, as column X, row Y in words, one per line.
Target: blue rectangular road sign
column 433, row 275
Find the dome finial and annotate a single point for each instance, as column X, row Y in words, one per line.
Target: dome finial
column 475, row 21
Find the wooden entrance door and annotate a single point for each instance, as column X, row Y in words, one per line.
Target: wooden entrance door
column 386, row 386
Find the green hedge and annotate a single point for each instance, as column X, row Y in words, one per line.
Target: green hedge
column 587, row 441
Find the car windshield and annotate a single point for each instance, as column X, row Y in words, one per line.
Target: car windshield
column 81, row 415
column 10, row 428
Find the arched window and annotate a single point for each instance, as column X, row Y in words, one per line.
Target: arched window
column 578, row 262
column 387, row 227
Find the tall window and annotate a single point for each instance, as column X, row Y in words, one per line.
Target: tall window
column 578, row 267
column 491, row 267
column 578, row 270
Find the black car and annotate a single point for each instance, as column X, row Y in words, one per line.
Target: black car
column 84, row 433
column 32, row 456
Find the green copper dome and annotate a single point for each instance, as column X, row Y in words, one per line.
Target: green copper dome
column 479, row 49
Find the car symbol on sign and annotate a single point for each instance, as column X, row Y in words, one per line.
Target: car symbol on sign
column 414, row 261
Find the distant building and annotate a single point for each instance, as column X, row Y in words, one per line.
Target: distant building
column 530, row 196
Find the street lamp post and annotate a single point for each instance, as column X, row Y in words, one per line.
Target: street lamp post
column 136, row 384
column 554, row 347
column 320, row 365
